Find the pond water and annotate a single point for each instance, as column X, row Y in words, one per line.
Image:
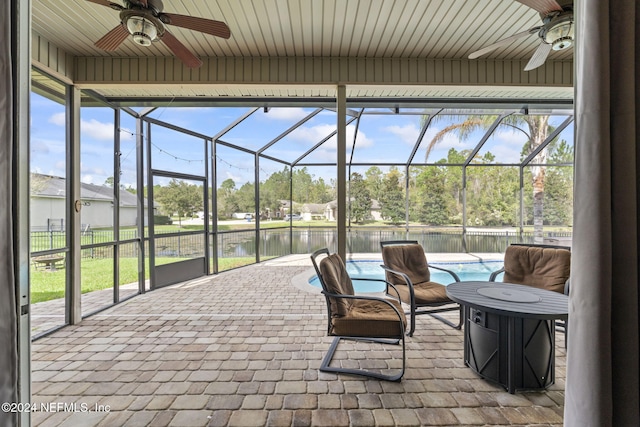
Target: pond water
column 370, row 269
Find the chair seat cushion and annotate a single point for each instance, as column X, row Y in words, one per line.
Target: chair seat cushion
column 425, row 293
column 367, row 318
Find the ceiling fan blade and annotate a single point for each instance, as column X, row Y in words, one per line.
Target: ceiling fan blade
column 107, row 3
column 208, row 26
column 112, row 39
column 542, row 6
column 539, row 56
column 502, row 42
column 180, row 50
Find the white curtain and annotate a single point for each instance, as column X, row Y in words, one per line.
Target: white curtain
column 8, row 310
column 603, row 383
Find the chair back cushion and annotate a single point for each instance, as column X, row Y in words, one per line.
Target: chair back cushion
column 336, row 280
column 408, row 259
column 546, row 268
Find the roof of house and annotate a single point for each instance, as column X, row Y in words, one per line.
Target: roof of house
column 375, row 205
column 50, row 186
column 314, row 207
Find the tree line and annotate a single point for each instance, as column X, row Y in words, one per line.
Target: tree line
column 436, row 192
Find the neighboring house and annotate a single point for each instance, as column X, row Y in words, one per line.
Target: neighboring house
column 331, row 210
column 311, row 211
column 376, row 210
column 48, row 204
column 282, row 209
column 285, row 208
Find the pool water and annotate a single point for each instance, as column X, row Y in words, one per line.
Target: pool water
column 466, row 270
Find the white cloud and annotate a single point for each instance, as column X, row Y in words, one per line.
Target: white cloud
column 510, row 136
column 506, row 145
column 93, row 128
column 239, row 180
column 57, row 119
column 362, row 141
column 449, row 140
column 327, row 151
column 440, row 150
column 408, row 133
column 98, row 130
column 312, row 134
column 126, row 134
column 47, row 147
column 94, row 172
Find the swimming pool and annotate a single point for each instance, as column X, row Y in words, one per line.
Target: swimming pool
column 370, row 269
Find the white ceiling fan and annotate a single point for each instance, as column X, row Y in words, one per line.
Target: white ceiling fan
column 555, row 33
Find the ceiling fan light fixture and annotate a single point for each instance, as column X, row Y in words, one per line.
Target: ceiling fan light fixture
column 560, row 36
column 142, row 30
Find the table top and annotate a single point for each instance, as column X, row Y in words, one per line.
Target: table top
column 510, row 299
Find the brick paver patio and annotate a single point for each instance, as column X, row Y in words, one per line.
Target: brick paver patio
column 243, row 348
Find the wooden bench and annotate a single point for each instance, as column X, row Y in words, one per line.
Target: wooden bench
column 47, row 262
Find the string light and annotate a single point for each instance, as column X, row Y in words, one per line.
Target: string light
column 249, row 169
column 217, row 157
column 176, row 157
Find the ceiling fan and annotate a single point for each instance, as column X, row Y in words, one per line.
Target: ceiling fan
column 145, row 21
column 555, row 33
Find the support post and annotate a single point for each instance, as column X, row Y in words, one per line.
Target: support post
column 15, row 48
column 341, row 223
column 73, row 292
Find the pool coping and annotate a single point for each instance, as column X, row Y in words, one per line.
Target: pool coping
column 301, row 281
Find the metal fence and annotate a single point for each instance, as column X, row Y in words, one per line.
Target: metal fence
column 367, row 240
column 56, row 239
column 275, row 242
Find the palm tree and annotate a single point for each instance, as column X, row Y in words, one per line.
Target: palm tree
column 536, row 129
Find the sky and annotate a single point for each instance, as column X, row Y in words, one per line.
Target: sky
column 380, row 138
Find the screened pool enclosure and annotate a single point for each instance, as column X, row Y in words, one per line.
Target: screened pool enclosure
column 173, row 192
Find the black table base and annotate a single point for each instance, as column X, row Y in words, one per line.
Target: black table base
column 517, row 353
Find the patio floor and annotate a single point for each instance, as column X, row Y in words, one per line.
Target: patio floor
column 243, row 348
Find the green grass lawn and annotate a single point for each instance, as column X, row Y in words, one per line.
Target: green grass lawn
column 97, row 274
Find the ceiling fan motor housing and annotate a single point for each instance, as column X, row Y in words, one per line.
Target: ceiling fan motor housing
column 154, row 6
column 142, row 25
column 558, row 30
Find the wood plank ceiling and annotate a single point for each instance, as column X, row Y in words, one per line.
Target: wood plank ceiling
column 303, row 48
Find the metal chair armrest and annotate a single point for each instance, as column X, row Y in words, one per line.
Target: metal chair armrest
column 454, row 275
column 399, row 273
column 371, row 279
column 493, row 276
column 406, row 279
column 395, row 289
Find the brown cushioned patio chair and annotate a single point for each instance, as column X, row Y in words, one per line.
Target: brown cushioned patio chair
column 406, row 267
column 356, row 317
column 542, row 266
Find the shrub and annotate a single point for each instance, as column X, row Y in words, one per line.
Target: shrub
column 162, row 220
